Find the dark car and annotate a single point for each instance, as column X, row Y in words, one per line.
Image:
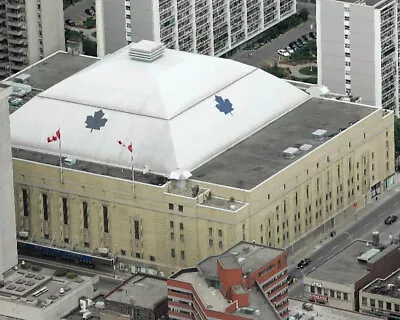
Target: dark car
column 299, row 43
column 303, row 263
column 90, row 12
column 291, row 279
column 305, row 39
column 293, row 45
column 391, row 219
column 70, row 22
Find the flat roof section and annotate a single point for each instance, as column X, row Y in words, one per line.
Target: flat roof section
column 211, row 297
column 351, row 270
column 145, row 292
column 260, row 156
column 389, row 286
column 370, row 3
column 248, row 256
column 326, row 313
column 54, row 69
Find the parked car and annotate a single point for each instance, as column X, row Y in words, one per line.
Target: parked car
column 312, row 34
column 283, row 53
column 305, row 38
column 293, row 45
column 391, row 219
column 303, row 263
column 299, row 43
column 70, row 22
column 90, row 12
column 290, row 50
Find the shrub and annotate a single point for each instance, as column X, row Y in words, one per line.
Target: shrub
column 36, row 268
column 71, row 275
column 303, row 14
column 90, row 23
column 26, row 265
column 60, row 272
column 231, row 199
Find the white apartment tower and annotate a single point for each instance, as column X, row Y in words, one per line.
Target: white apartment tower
column 29, row 31
column 358, row 53
column 210, row 27
column 8, row 242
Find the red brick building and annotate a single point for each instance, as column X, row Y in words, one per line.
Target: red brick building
column 248, row 281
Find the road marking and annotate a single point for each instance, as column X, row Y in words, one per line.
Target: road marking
column 366, row 225
column 334, row 248
column 395, row 204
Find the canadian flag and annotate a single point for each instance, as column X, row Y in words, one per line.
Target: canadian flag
column 54, row 138
column 129, row 146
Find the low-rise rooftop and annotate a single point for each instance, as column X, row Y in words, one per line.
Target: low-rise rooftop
column 351, row 270
column 260, row 156
column 371, row 3
column 39, row 287
column 248, row 256
column 318, row 311
column 390, row 286
column 145, row 292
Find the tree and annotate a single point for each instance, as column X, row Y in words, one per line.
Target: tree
column 303, row 14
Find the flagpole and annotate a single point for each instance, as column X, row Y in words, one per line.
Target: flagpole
column 61, row 164
column 133, row 175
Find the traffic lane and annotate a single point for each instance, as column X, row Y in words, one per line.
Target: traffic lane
column 363, row 229
column 270, row 49
column 77, row 11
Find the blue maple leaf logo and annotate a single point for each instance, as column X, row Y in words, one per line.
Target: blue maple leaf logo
column 223, row 105
column 96, row 121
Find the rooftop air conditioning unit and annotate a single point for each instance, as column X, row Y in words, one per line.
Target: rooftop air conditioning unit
column 290, row 152
column 319, row 134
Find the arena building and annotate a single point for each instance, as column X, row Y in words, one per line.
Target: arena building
column 222, row 152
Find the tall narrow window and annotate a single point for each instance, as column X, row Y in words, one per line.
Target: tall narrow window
column 85, row 215
column 137, row 234
column 25, row 202
column 65, row 210
column 105, row 218
column 45, row 207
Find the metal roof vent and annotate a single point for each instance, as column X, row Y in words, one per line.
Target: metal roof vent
column 319, row 134
column 147, row 51
column 305, row 147
column 290, row 152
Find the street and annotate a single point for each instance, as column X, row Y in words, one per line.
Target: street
column 77, row 11
column 362, row 229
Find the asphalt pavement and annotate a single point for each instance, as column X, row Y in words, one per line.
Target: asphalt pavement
column 77, row 11
column 361, row 227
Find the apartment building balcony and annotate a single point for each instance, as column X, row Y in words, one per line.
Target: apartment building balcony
column 17, row 58
column 3, row 55
column 18, row 40
column 17, row 49
column 16, row 4
column 15, row 14
column 17, row 23
column 15, row 67
column 16, row 32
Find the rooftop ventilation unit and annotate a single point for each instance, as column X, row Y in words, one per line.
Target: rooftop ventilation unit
column 146, row 51
column 319, row 134
column 365, row 257
column 290, row 152
column 305, row 147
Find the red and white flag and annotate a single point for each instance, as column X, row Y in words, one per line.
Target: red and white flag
column 129, row 146
column 56, row 137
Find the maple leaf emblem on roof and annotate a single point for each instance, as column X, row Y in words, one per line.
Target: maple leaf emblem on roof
column 224, row 105
column 97, row 121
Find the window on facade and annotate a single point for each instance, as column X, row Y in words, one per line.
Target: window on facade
column 345, row 296
column 45, row 207
column 220, row 244
column 220, row 233
column 372, row 302
column 66, row 240
column 262, row 240
column 182, row 255
column 172, row 236
column 182, row 237
column 210, row 242
column 137, row 255
column 173, row 253
column 339, row 295
column 25, row 202
column 152, row 258
column 295, row 199
column 180, row 208
column 319, row 290
column 284, row 206
column 388, row 306
column 171, row 224
column 307, row 192
column 396, row 308
column 105, row 219
column 312, row 289
column 380, row 304
column 85, row 215
column 181, row 226
column 171, row 206
column 210, row 231
column 137, row 229
column 364, row 301
column 65, row 210
column 332, row 293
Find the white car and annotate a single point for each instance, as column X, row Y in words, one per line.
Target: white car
column 283, row 52
column 290, row 50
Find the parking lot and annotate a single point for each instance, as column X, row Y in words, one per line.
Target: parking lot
column 77, row 11
column 270, row 50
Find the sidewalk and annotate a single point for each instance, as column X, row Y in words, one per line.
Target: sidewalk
column 341, row 228
column 295, row 69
